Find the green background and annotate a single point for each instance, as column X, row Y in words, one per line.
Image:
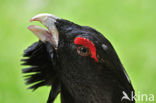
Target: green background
column 130, row 25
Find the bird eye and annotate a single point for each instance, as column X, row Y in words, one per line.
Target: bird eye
column 83, row 51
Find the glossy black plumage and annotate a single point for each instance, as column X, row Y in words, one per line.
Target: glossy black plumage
column 42, row 70
column 79, row 79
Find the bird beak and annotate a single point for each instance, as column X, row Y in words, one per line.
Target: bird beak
column 51, row 35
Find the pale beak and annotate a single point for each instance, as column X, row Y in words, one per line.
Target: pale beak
column 51, row 35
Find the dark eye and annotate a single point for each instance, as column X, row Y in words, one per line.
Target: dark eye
column 83, row 51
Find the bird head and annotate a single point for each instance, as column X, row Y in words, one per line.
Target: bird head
column 84, row 64
column 72, row 42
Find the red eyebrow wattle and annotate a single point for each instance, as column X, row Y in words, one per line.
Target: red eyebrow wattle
column 87, row 43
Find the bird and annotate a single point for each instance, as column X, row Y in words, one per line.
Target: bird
column 76, row 61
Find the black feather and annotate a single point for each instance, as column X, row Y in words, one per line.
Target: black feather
column 43, row 67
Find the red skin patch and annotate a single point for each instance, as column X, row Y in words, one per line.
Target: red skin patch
column 87, row 43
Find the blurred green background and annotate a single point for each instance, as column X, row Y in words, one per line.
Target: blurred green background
column 130, row 25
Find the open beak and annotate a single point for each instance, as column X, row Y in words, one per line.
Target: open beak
column 51, row 35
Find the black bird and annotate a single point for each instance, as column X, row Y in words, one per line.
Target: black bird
column 76, row 61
